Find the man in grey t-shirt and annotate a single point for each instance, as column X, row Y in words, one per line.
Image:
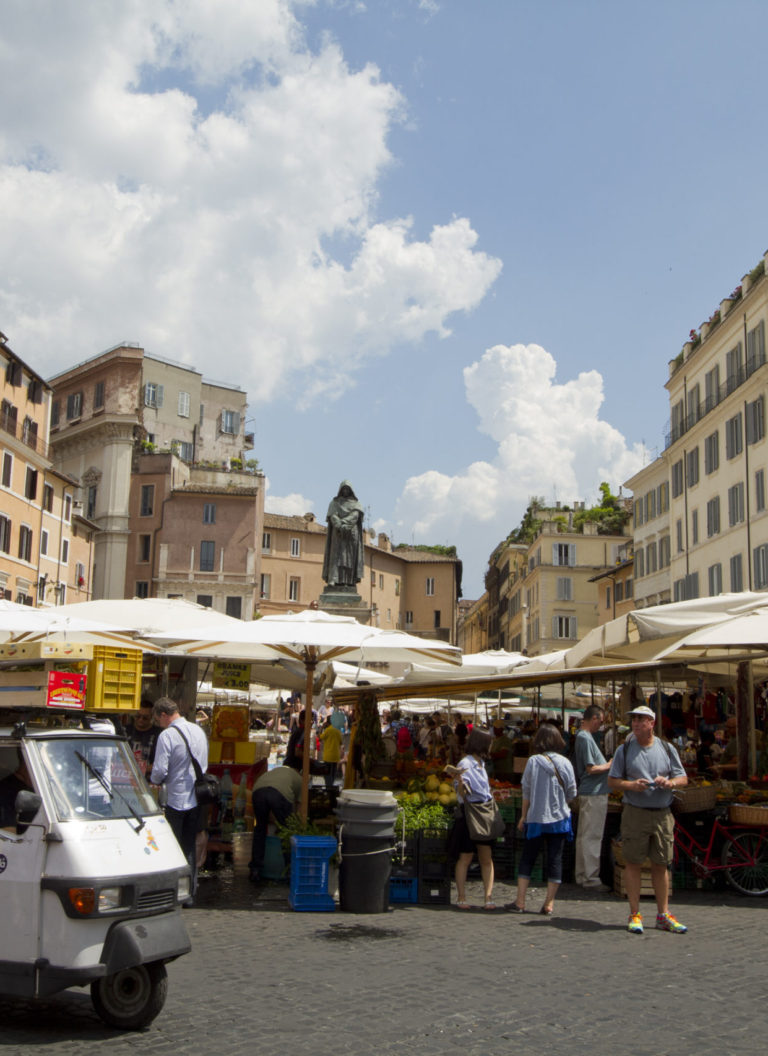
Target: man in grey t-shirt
column 592, row 775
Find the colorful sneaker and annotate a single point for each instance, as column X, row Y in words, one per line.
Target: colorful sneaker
column 635, row 924
column 666, row 922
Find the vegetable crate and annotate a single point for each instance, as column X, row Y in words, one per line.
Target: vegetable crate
column 433, row 855
column 435, row 892
column 405, row 858
column 310, row 858
column 403, row 890
column 114, row 679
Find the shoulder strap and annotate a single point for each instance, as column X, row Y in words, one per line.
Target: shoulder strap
column 197, row 768
column 557, row 772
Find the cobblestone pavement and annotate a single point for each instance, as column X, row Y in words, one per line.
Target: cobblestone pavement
column 263, row 980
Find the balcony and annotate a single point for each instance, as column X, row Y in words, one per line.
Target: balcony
column 713, row 399
column 9, row 423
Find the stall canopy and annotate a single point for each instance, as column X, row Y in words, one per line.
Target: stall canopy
column 23, row 623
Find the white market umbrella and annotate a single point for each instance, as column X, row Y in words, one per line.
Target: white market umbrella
column 24, row 623
column 312, row 637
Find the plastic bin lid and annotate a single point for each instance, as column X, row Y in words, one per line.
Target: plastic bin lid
column 369, row 797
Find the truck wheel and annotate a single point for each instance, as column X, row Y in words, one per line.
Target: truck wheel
column 130, row 999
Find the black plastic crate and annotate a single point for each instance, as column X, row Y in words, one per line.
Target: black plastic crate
column 434, row 868
column 435, row 892
column 405, row 858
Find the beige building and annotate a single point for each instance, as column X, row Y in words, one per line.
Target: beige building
column 405, row 588
column 716, row 449
column 547, row 596
column 473, row 625
column 651, row 533
column 615, row 587
column 109, row 409
column 46, row 545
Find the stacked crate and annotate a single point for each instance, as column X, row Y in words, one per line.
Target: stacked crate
column 434, row 868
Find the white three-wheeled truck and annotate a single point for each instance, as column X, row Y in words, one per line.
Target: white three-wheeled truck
column 91, row 876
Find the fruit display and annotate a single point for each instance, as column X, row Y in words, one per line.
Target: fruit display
column 427, row 803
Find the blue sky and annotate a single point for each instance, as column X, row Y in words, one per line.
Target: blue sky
column 448, row 248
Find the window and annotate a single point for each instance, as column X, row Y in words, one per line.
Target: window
column 13, row 372
column 628, row 588
column 29, row 432
column 694, row 527
column 665, row 551
column 607, row 597
column 202, row 413
column 430, row 586
column 712, row 452
column 145, row 547
column 153, row 394
column 618, row 592
column 25, row 543
column 737, row 574
column 651, row 559
column 564, row 588
column 711, row 389
column 147, row 500
column 295, row 547
column 206, row 600
column 650, row 505
column 67, row 508
column 755, row 348
column 408, row 618
column 64, row 551
column 761, row 566
column 266, row 585
column 74, row 405
column 80, row 574
column 207, row 555
column 436, row 619
column 679, row 528
column 755, row 420
column 687, row 587
column 677, row 420
column 266, row 542
column 397, row 588
column 663, row 499
column 90, row 502
column 183, row 405
column 563, row 626
column 43, row 541
column 733, row 437
column 713, row 516
column 5, row 534
column 98, row 395
column 564, row 554
column 381, row 582
column 234, row 607
column 736, row 504
column 677, row 479
column 715, row 576
column 638, row 511
column 186, row 450
column 373, row 578
column 30, row 484
column 640, row 563
column 48, row 498
column 294, row 585
column 55, row 414
column 209, row 513
column 693, row 410
column 142, row 589
column 760, row 490
column 7, row 469
column 230, row 422
column 734, row 368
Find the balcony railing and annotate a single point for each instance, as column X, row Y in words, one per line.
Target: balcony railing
column 731, row 383
column 10, row 424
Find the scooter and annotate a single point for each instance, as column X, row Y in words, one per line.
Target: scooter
column 91, row 877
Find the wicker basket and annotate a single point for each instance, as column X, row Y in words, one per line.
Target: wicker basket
column 746, row 814
column 695, row 798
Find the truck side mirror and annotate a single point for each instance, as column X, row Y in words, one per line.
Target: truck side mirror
column 27, row 805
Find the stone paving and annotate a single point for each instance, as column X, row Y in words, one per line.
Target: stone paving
column 264, row 980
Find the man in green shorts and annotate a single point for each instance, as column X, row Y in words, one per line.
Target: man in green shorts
column 646, row 770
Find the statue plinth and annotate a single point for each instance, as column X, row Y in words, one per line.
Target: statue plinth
column 344, row 601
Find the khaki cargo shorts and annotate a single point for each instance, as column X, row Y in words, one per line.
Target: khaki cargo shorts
column 647, row 834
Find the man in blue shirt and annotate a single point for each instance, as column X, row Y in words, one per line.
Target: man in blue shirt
column 592, row 776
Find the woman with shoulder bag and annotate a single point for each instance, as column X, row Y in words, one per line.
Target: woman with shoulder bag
column 549, row 785
column 471, row 784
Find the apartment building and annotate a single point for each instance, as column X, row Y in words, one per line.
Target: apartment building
column 404, row 588
column 615, row 586
column 651, row 533
column 108, row 410
column 195, row 533
column 472, row 630
column 546, row 592
column 716, row 449
column 45, row 543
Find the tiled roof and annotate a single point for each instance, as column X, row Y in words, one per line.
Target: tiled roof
column 216, row 489
column 296, row 524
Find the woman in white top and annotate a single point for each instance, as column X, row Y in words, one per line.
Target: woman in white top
column 471, row 783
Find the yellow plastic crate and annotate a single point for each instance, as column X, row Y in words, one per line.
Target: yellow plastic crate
column 114, row 679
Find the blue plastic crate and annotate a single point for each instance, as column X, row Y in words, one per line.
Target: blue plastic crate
column 403, row 890
column 310, row 859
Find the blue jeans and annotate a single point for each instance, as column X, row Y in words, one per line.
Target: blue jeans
column 554, row 842
column 266, row 802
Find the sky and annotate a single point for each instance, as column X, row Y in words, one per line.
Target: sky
column 447, row 247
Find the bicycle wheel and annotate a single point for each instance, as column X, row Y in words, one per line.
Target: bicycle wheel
column 745, row 861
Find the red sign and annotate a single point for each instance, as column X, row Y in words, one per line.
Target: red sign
column 66, row 690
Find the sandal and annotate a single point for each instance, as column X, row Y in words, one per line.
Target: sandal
column 462, row 905
column 513, row 907
column 490, row 905
column 546, row 911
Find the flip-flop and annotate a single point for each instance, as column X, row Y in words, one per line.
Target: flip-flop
column 513, row 907
column 490, row 905
column 546, row 911
column 462, row 905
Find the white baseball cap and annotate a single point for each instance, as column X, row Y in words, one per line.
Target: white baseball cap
column 643, row 709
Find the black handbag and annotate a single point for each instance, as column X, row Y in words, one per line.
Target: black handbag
column 207, row 789
column 484, row 820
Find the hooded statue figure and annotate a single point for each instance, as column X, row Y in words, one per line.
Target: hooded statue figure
column 343, row 561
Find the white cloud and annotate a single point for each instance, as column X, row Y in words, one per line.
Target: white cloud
column 549, row 440
column 174, row 173
column 293, row 505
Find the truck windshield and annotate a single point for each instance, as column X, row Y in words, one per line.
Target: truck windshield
column 94, row 777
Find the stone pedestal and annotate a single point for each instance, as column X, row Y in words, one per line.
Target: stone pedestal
column 344, row 602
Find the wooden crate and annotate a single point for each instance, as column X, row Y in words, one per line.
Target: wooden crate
column 646, row 886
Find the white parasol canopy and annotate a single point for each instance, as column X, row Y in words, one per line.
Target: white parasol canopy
column 24, row 623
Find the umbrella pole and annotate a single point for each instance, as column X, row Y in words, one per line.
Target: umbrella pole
column 310, row 663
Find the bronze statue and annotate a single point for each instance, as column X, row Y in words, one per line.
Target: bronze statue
column 344, row 551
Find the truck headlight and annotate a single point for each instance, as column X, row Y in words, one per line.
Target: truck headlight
column 110, row 898
column 88, row 900
column 184, row 888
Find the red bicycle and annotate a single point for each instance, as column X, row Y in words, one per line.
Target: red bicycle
column 738, row 851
